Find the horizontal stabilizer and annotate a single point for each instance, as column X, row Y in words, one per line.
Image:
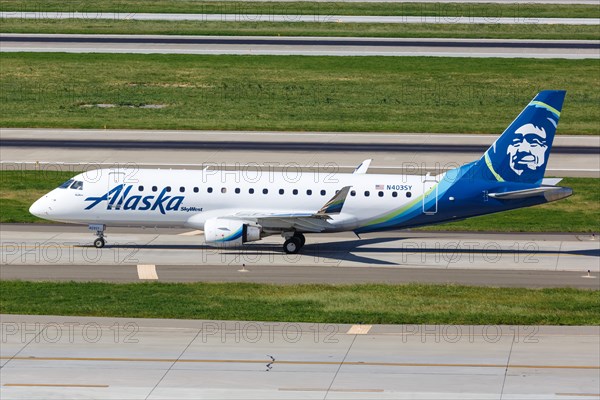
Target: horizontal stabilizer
column 551, row 181
column 551, row 193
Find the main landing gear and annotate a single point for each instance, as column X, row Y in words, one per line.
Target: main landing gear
column 99, row 230
column 294, row 243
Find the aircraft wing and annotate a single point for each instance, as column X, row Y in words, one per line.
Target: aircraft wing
column 304, row 222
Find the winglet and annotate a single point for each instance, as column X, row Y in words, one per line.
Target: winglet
column 363, row 167
column 334, row 206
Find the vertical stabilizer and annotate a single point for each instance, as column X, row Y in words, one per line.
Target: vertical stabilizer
column 521, row 153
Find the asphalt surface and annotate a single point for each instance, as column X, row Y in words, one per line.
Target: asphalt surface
column 261, row 45
column 302, row 41
column 296, row 137
column 64, row 253
column 311, row 151
column 311, row 18
column 293, row 275
column 270, row 146
column 90, row 357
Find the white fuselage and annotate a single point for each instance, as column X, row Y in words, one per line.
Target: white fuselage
column 187, row 198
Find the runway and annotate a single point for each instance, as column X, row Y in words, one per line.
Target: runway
column 265, row 45
column 60, row 252
column 294, row 274
column 77, row 357
column 329, row 152
column 311, row 18
column 269, row 146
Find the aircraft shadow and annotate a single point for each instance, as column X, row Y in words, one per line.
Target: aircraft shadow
column 357, row 251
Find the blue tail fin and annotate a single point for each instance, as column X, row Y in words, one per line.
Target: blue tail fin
column 521, row 153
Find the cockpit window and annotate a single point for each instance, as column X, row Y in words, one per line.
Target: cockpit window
column 66, row 184
column 77, row 185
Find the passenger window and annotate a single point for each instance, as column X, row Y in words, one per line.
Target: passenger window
column 209, row 190
column 380, row 194
column 196, row 190
column 140, row 188
column 251, row 191
column 394, row 194
column 309, row 192
column 154, row 188
column 323, row 192
column 367, row 194
column 281, row 191
column 168, row 188
column 223, row 190
column 353, row 193
column 408, row 194
column 295, row 191
column 77, row 185
column 265, row 191
column 66, row 184
column 237, row 190
column 182, row 189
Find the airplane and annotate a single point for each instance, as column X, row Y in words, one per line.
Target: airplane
column 233, row 211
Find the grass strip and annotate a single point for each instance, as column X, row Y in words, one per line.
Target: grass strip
column 362, row 303
column 19, row 189
column 466, row 31
column 578, row 213
column 318, row 9
column 406, row 94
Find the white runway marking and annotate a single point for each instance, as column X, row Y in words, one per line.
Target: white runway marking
column 147, row 272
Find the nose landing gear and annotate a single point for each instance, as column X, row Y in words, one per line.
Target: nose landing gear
column 99, row 230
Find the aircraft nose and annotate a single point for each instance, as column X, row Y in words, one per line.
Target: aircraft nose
column 39, row 208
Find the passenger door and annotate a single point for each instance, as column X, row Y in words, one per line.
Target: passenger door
column 430, row 195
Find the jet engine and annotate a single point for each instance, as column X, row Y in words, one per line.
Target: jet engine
column 223, row 232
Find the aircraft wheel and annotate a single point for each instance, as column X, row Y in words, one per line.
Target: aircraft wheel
column 99, row 243
column 292, row 245
column 301, row 237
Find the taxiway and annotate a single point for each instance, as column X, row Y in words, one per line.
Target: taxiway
column 328, row 152
column 76, row 357
column 64, row 252
column 309, row 46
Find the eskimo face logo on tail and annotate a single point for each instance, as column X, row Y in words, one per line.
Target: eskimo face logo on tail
column 118, row 198
column 527, row 151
